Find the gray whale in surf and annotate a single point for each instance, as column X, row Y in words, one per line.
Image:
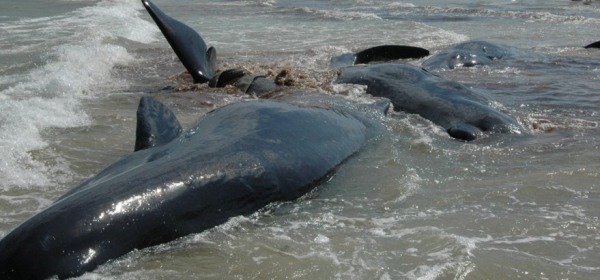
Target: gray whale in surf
column 463, row 113
column 481, row 53
column 237, row 159
column 469, row 54
column 190, row 48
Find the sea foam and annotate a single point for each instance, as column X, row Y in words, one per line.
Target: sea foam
column 78, row 52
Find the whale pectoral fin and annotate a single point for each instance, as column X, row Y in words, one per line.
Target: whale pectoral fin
column 211, row 58
column 156, row 124
column 389, row 52
column 464, row 131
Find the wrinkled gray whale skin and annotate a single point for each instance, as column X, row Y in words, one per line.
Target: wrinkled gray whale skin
column 237, row 159
column 463, row 113
column 191, row 49
column 469, row 54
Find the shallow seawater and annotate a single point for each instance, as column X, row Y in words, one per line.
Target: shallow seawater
column 412, row 204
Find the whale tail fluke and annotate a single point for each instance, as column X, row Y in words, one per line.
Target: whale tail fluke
column 156, row 124
column 187, row 44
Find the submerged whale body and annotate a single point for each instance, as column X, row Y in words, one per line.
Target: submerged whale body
column 463, row 113
column 191, row 49
column 237, row 159
column 469, row 54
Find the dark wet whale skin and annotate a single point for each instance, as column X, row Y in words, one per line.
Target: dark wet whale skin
column 236, row 160
column 464, row 114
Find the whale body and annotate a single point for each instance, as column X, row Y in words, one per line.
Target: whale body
column 463, row 113
column 469, row 54
column 237, row 159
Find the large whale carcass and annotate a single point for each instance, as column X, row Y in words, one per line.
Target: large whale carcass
column 237, row 159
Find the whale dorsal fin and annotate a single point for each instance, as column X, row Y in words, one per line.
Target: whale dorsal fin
column 156, row 124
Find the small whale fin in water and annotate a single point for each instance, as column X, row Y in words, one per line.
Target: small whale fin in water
column 211, row 57
column 156, row 124
column 595, row 45
column 187, row 44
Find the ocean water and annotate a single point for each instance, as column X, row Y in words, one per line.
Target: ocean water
column 415, row 204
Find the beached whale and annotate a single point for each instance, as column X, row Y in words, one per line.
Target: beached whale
column 480, row 53
column 469, row 54
column 190, row 48
column 237, row 159
column 463, row 113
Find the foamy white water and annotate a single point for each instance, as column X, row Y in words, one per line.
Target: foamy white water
column 73, row 59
